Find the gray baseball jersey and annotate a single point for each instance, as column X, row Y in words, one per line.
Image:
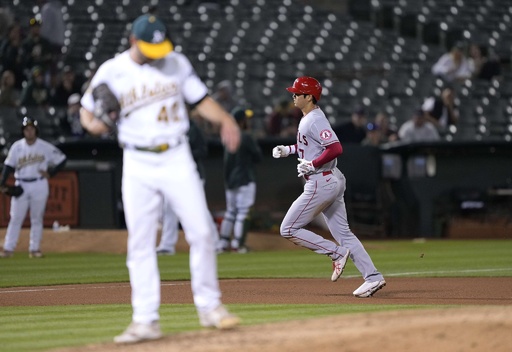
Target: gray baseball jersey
column 314, row 134
column 324, row 194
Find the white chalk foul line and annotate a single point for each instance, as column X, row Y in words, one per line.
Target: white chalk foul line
column 408, row 273
column 81, row 288
column 415, row 273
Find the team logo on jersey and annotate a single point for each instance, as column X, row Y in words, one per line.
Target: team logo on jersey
column 325, row 135
column 158, row 37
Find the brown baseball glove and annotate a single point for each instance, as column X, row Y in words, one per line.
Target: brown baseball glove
column 106, row 105
column 12, row 191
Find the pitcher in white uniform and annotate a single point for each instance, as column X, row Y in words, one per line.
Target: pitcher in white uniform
column 318, row 147
column 153, row 84
column 33, row 161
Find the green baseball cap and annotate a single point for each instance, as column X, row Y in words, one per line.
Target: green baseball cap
column 240, row 113
column 151, row 35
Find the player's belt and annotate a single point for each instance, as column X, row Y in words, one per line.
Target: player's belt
column 156, row 149
column 325, row 173
column 30, row 179
column 160, row 148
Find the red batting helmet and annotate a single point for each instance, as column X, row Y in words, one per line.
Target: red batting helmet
column 306, row 85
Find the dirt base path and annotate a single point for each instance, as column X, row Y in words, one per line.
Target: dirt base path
column 404, row 291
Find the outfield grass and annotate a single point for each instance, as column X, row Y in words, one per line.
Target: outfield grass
column 43, row 328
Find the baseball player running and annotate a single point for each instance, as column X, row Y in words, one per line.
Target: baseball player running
column 33, row 161
column 318, row 147
column 152, row 84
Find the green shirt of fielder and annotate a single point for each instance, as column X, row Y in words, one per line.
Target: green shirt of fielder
column 240, row 183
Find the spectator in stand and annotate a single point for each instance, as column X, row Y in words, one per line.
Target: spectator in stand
column 52, row 25
column 10, row 54
column 481, row 65
column 224, row 95
column 67, row 86
column 88, row 77
column 353, row 131
column 6, row 20
column 388, row 133
column 418, row 129
column 9, row 95
column 36, row 50
column 373, row 135
column 70, row 123
column 441, row 111
column 453, row 66
column 284, row 120
column 35, row 93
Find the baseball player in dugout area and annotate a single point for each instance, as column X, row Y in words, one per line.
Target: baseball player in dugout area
column 318, row 148
column 33, row 161
column 142, row 93
column 240, row 183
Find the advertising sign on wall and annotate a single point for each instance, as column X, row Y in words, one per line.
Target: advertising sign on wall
column 62, row 205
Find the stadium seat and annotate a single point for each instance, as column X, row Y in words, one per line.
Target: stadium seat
column 395, row 40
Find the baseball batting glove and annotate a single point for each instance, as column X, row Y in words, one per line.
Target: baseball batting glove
column 106, row 105
column 12, row 191
column 280, row 151
column 304, row 167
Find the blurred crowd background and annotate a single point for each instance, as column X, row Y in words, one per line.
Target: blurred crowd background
column 391, row 69
column 408, row 85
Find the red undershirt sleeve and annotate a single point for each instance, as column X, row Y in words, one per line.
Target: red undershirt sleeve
column 292, row 149
column 331, row 151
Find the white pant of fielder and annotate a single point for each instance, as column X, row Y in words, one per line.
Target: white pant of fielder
column 147, row 179
column 34, row 197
